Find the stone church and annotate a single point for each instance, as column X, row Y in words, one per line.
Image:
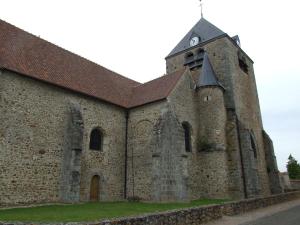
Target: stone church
column 72, row 130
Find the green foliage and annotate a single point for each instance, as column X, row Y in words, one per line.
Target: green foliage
column 92, row 211
column 293, row 168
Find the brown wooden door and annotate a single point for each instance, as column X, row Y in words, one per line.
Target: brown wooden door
column 94, row 192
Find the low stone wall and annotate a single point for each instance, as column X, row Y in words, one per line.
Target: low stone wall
column 295, row 184
column 197, row 215
column 238, row 207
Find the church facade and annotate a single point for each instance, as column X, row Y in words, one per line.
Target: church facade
column 72, row 130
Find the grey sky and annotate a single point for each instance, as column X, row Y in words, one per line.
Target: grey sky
column 132, row 38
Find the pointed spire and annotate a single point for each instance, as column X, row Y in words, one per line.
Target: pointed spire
column 207, row 77
column 201, row 5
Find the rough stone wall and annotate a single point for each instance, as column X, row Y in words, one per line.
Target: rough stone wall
column 240, row 95
column 253, row 186
column 272, row 168
column 285, row 181
column 109, row 163
column 71, row 169
column 212, row 143
column 184, row 102
column 236, row 176
column 34, row 119
column 157, row 169
column 212, row 117
column 218, row 51
column 140, row 161
column 207, row 170
column 246, row 104
column 295, row 184
column 139, row 156
column 170, row 173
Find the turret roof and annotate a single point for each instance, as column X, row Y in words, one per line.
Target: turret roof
column 207, row 76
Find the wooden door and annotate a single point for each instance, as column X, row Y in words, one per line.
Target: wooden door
column 95, row 186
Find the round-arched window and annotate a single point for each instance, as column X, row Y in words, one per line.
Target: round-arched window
column 96, row 139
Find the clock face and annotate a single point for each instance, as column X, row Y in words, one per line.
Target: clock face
column 194, row 41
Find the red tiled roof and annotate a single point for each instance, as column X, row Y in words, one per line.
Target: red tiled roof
column 154, row 90
column 34, row 57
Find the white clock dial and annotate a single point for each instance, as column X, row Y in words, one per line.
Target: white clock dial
column 194, row 41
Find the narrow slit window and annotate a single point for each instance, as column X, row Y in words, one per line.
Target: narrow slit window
column 187, row 136
column 253, row 146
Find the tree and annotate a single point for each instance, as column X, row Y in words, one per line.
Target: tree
column 293, row 168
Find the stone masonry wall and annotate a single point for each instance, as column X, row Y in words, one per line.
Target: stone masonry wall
column 272, row 169
column 34, row 126
column 140, row 151
column 253, row 184
column 72, row 151
column 295, row 184
column 247, row 107
column 207, row 171
column 156, row 161
column 212, row 143
column 240, row 94
column 236, row 175
column 169, row 170
column 184, row 102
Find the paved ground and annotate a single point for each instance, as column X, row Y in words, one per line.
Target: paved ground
column 287, row 217
column 287, row 213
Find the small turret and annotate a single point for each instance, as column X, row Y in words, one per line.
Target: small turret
column 212, row 138
column 211, row 106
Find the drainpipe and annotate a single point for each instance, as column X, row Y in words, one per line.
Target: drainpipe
column 241, row 154
column 126, row 151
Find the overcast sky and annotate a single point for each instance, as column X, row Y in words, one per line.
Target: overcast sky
column 133, row 37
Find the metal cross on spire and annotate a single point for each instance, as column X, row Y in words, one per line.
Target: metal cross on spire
column 201, row 5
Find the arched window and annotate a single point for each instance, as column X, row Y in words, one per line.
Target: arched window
column 96, row 140
column 253, row 145
column 187, row 136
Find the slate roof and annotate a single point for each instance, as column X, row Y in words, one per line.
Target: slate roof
column 34, row 57
column 208, row 76
column 203, row 29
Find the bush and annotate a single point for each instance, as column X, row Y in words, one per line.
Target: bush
column 293, row 168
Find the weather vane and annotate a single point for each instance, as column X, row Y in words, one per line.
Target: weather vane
column 201, row 5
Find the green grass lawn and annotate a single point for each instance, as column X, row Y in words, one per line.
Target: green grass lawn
column 92, row 211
